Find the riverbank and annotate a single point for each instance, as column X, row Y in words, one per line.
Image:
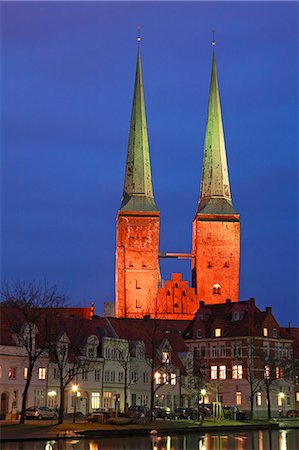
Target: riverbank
column 50, row 430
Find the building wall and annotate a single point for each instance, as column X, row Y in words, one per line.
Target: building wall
column 216, row 250
column 137, row 268
column 13, row 361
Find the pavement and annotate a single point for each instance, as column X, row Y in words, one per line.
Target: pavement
column 49, row 429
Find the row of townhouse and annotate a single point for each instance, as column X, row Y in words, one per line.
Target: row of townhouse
column 231, row 353
column 115, row 365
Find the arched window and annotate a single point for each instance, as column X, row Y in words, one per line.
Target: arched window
column 216, row 288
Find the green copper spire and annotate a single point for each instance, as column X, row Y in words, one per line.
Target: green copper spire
column 215, row 196
column 138, row 190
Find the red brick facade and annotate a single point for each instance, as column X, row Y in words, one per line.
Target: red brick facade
column 137, row 267
column 216, row 256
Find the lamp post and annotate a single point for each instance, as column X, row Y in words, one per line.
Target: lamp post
column 74, row 391
column 281, row 395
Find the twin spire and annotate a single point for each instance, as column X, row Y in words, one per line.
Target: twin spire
column 215, row 196
column 138, row 189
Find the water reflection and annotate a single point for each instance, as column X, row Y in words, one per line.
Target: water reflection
column 254, row 440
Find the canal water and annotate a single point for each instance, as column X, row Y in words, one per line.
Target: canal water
column 252, row 440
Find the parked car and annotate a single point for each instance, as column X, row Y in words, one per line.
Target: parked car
column 293, row 413
column 40, row 412
column 163, row 412
column 186, row 413
column 139, row 413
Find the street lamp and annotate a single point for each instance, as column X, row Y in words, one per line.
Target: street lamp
column 281, row 396
column 74, row 391
column 203, row 393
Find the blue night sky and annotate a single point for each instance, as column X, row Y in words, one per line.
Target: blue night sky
column 67, row 83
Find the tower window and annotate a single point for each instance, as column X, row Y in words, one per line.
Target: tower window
column 226, row 264
column 176, row 285
column 209, row 264
column 184, row 294
column 168, row 292
column 138, row 284
column 216, row 288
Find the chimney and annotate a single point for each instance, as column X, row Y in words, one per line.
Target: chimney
column 228, row 301
column 252, row 301
column 268, row 309
column 201, row 304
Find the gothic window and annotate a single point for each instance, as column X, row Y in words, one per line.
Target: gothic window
column 168, row 292
column 176, row 285
column 184, row 294
column 216, row 288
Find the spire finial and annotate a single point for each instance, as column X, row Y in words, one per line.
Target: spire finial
column 213, row 41
column 138, row 34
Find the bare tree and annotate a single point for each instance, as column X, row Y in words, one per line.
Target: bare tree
column 254, row 374
column 26, row 305
column 66, row 341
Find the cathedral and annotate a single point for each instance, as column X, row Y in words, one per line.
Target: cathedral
column 215, row 253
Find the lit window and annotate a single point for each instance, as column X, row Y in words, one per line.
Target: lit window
column 25, row 373
column 42, row 373
column 213, row 372
column 217, row 332
column 222, row 372
column 267, row 372
column 237, row 372
column 158, row 378
column 238, row 398
column 265, row 332
column 173, row 379
column 278, row 372
column 297, row 396
column 216, row 288
column 95, row 400
column 165, row 357
column 12, row 373
column 259, row 399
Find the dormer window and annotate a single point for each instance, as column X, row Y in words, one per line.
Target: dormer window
column 265, row 332
column 217, row 332
column 216, row 288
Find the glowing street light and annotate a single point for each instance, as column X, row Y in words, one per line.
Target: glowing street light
column 75, row 395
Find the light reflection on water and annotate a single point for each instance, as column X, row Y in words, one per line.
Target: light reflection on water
column 253, row 440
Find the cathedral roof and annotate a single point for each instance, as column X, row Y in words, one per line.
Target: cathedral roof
column 138, row 190
column 215, row 195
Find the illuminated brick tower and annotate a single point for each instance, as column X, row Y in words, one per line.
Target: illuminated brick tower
column 137, row 228
column 216, row 226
